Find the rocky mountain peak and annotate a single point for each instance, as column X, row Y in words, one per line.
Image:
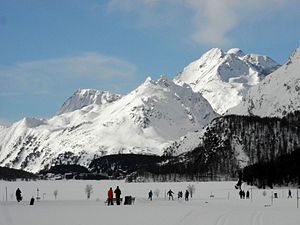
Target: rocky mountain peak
column 223, row 78
column 85, row 97
column 236, row 51
column 276, row 95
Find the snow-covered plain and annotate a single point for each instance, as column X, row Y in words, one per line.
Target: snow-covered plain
column 72, row 207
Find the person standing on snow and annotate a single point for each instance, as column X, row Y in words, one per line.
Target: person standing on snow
column 118, row 195
column 179, row 195
column 170, row 194
column 18, row 195
column 241, row 194
column 31, row 201
column 289, row 194
column 247, row 194
column 150, row 194
column 186, row 195
column 110, row 196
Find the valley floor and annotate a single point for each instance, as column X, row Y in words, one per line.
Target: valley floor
column 213, row 203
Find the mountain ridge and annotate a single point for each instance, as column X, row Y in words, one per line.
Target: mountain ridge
column 159, row 117
column 144, row 121
column 223, row 78
column 85, row 97
column 277, row 95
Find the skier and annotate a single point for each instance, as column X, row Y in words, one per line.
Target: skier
column 186, row 195
column 110, row 195
column 150, row 194
column 18, row 195
column 289, row 194
column 170, row 194
column 118, row 195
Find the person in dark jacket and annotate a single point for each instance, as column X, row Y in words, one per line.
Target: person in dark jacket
column 179, row 195
column 247, row 194
column 241, row 194
column 289, row 194
column 118, row 195
column 186, row 195
column 110, row 196
column 31, row 201
column 170, row 194
column 150, row 194
column 18, row 195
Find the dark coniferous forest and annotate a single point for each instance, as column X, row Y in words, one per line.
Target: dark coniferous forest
column 284, row 170
column 264, row 141
column 12, row 174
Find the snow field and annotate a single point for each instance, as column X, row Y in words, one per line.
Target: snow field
column 72, row 207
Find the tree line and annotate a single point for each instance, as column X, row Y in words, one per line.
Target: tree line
column 284, row 170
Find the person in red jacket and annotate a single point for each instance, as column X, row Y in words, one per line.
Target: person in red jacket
column 110, row 195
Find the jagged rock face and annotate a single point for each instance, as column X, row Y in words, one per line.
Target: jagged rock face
column 276, row 95
column 85, row 97
column 144, row 122
column 223, row 78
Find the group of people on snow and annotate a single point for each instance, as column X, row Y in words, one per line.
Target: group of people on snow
column 110, row 196
column 170, row 195
column 242, row 194
column 179, row 195
column 117, row 192
column 19, row 197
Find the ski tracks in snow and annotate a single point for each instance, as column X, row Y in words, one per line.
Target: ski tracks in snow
column 193, row 217
column 256, row 218
column 186, row 218
column 223, row 219
column 226, row 218
column 233, row 218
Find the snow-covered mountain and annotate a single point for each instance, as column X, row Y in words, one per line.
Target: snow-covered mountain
column 231, row 142
column 276, row 95
column 84, row 97
column 144, row 121
column 223, row 78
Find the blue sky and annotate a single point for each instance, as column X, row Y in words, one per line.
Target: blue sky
column 51, row 48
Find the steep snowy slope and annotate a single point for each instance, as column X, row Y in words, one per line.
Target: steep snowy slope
column 277, row 95
column 144, row 121
column 84, row 97
column 223, row 78
column 2, row 127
